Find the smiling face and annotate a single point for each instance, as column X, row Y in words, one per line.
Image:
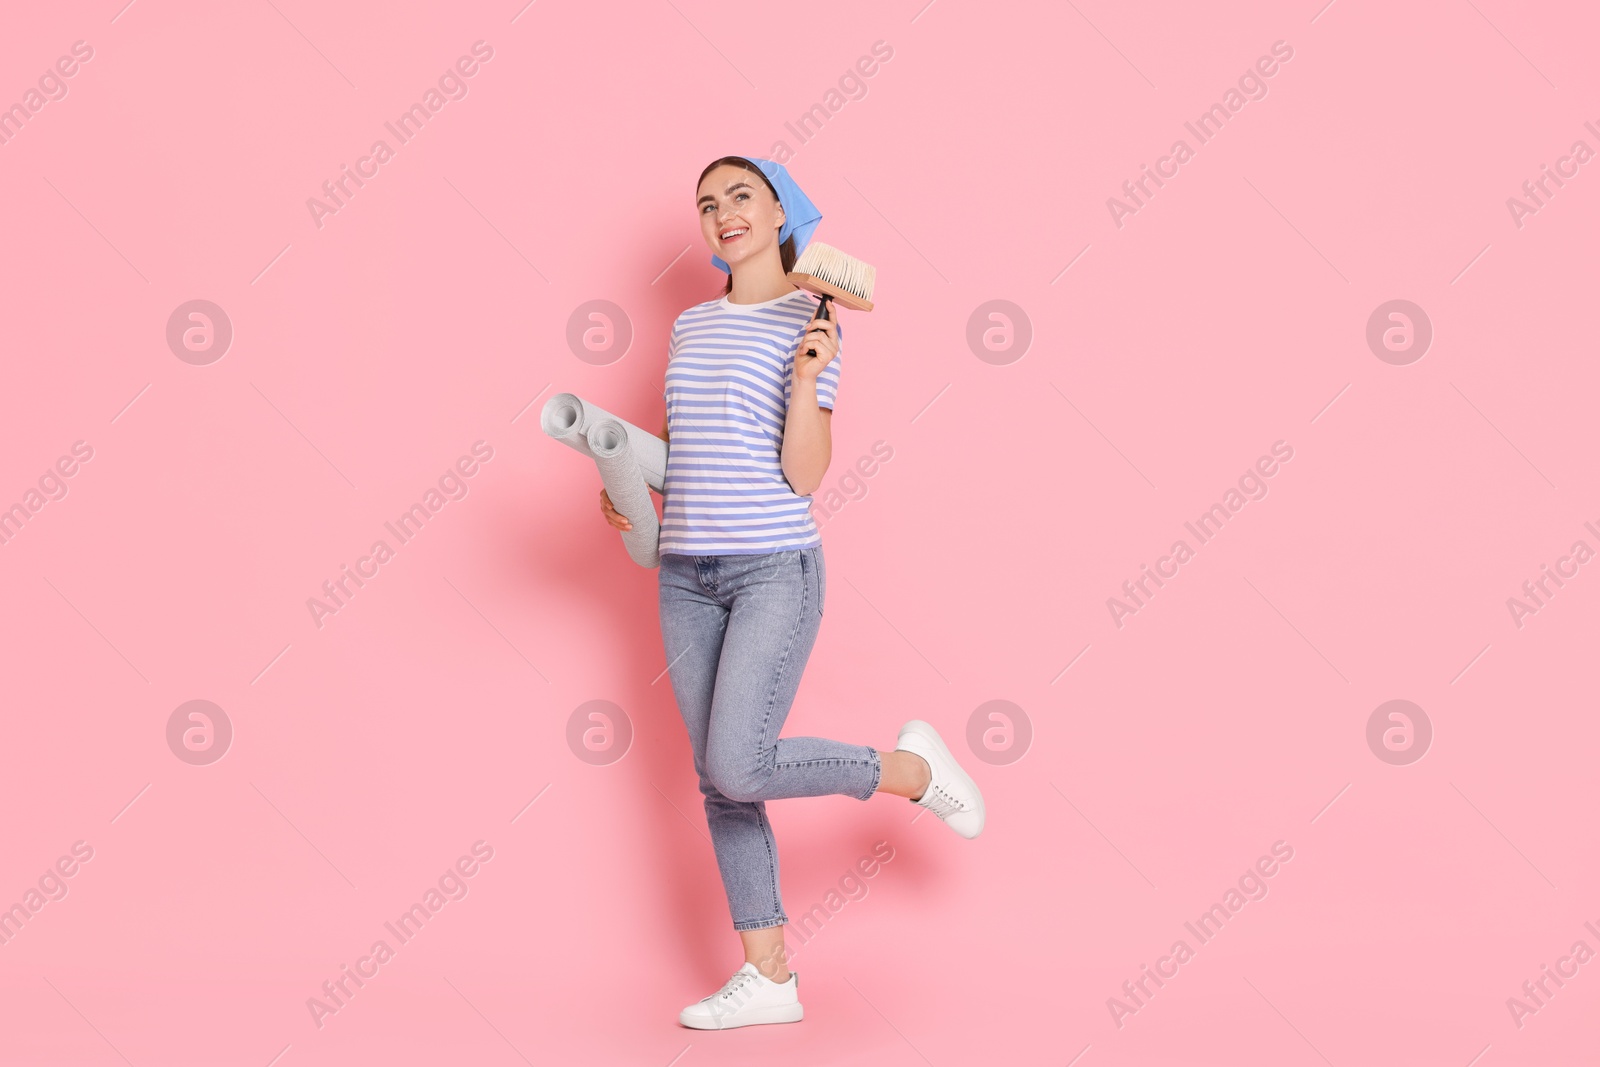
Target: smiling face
column 739, row 216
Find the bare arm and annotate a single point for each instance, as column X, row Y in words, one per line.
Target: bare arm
column 807, row 439
column 808, row 427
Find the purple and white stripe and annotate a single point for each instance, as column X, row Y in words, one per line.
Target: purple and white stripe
column 729, row 380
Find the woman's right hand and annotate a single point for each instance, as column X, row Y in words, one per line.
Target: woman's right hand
column 619, row 521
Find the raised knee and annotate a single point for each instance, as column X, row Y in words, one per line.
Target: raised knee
column 737, row 787
column 741, row 784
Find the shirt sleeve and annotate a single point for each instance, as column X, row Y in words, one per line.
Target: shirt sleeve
column 666, row 374
column 828, row 380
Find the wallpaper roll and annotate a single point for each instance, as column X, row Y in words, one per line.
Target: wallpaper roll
column 568, row 419
column 612, row 447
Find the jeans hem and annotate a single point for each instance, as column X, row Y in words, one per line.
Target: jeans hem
column 877, row 775
column 760, row 924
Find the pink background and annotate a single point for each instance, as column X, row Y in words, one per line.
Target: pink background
column 432, row 311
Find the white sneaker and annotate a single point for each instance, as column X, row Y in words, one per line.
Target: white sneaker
column 951, row 794
column 748, row 997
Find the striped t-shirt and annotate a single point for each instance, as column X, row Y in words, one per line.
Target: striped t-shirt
column 730, row 374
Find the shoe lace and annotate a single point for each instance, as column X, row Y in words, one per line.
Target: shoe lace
column 940, row 802
column 735, row 985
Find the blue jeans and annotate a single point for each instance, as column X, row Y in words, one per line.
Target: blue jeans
column 738, row 631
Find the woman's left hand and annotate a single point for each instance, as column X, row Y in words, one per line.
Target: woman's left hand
column 821, row 335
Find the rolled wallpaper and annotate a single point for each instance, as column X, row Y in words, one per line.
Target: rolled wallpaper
column 631, row 463
column 619, row 470
column 568, row 418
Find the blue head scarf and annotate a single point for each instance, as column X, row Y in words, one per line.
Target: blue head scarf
column 800, row 215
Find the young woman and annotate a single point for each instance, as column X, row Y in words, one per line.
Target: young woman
column 742, row 580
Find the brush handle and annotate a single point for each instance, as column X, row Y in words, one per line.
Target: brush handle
column 822, row 313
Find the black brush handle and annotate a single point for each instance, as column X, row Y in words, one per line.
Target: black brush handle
column 822, row 313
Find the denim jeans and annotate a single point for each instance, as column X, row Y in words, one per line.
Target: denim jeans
column 738, row 631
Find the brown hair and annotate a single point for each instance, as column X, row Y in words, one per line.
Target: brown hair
column 786, row 253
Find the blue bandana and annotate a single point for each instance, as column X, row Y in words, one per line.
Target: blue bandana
column 800, row 215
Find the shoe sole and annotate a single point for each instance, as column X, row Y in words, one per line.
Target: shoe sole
column 929, row 734
column 782, row 1013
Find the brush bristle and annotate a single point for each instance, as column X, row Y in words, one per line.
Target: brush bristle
column 830, row 265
